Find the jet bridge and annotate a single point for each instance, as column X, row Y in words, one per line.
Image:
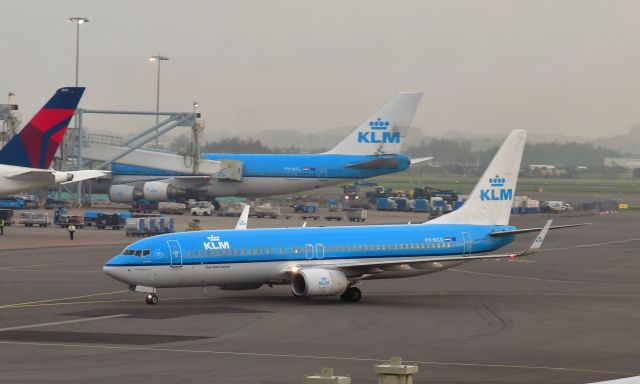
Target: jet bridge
column 109, row 150
column 225, row 169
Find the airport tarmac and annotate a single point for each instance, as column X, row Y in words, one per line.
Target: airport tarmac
column 567, row 315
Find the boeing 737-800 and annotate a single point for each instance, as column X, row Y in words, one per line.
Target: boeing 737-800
column 333, row 260
column 25, row 160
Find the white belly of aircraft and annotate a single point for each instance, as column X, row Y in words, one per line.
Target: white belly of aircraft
column 252, row 273
column 266, row 186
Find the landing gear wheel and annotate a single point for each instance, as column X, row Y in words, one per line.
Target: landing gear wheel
column 152, row 299
column 351, row 295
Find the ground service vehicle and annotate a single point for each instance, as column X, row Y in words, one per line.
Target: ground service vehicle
column 202, row 208
column 30, row 219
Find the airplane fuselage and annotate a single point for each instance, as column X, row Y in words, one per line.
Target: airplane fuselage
column 250, row 258
column 276, row 174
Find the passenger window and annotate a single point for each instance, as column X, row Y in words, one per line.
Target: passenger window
column 243, row 251
column 188, row 253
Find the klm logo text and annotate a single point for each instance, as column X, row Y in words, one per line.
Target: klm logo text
column 379, row 133
column 215, row 243
column 496, row 193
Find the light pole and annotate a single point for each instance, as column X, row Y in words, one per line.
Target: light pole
column 78, row 21
column 158, row 58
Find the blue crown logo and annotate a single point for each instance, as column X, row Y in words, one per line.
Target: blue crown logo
column 379, row 124
column 497, row 181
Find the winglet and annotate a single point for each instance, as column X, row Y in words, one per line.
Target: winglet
column 537, row 243
column 244, row 218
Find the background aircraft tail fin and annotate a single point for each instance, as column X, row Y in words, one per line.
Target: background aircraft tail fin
column 491, row 200
column 384, row 132
column 38, row 141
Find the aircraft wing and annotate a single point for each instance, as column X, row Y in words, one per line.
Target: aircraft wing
column 381, row 162
column 33, row 174
column 86, row 175
column 376, row 266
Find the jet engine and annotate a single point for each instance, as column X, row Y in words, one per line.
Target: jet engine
column 124, row 193
column 319, row 282
column 159, row 191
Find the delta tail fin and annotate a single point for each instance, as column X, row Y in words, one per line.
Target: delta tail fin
column 38, row 141
column 384, row 132
column 491, row 199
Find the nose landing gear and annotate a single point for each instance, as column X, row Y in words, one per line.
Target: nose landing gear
column 152, row 299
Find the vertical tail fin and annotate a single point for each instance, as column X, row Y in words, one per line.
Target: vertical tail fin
column 491, row 199
column 384, row 132
column 38, row 141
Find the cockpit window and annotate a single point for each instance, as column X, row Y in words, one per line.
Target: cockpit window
column 137, row 252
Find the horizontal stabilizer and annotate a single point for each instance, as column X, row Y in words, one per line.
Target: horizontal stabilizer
column 86, row 175
column 382, row 162
column 36, row 175
column 528, row 230
column 420, row 160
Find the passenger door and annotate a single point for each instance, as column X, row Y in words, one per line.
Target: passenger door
column 319, row 251
column 175, row 253
column 308, row 250
column 466, row 238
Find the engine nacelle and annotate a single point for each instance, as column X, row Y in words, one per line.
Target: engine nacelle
column 159, row 191
column 61, row 177
column 124, row 193
column 319, row 282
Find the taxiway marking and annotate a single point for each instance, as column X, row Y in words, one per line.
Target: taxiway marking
column 293, row 356
column 52, row 323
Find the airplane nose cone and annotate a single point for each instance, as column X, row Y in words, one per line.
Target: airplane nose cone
column 118, row 273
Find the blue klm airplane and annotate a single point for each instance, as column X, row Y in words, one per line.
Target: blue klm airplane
column 372, row 149
column 333, row 260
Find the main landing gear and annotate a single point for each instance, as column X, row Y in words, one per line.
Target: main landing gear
column 351, row 295
column 152, row 299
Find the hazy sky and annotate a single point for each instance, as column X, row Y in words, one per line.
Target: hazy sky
column 551, row 67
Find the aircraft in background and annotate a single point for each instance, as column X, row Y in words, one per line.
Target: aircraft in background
column 326, row 261
column 373, row 149
column 25, row 160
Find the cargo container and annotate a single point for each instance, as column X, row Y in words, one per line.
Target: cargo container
column 29, row 219
column 421, row 205
column 149, row 226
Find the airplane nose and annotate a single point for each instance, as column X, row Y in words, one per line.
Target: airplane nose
column 115, row 273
